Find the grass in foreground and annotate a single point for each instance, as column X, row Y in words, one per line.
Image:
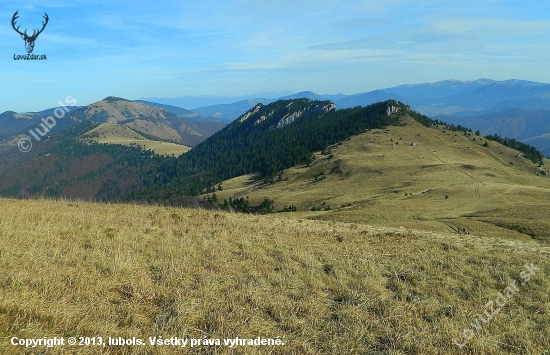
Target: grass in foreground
column 83, row 269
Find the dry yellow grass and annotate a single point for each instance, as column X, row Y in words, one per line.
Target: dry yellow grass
column 119, row 110
column 371, row 179
column 85, row 269
column 112, row 133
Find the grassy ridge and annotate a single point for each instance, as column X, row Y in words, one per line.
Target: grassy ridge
column 400, row 176
column 254, row 144
column 112, row 133
column 83, row 269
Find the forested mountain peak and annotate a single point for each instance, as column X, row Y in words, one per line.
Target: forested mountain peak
column 281, row 113
column 265, row 140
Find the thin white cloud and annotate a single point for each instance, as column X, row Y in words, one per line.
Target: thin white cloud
column 173, row 48
column 252, row 66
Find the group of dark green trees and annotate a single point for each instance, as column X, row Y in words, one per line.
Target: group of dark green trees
column 260, row 145
column 266, row 141
column 242, row 205
column 528, row 151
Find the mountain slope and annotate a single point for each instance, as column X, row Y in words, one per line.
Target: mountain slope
column 265, row 140
column 522, row 125
column 482, row 104
column 154, row 122
column 193, row 102
column 367, row 98
column 400, row 176
column 542, row 142
column 112, row 133
column 61, row 165
column 13, row 123
column 501, row 95
column 272, row 138
column 304, row 95
column 449, row 97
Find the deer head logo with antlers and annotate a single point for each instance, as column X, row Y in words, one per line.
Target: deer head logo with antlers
column 29, row 40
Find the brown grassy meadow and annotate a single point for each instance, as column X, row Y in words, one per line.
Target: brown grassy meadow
column 112, row 133
column 84, row 269
column 400, row 177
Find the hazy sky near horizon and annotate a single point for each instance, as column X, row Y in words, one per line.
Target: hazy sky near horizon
column 136, row 49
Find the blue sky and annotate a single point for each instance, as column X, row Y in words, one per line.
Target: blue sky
column 138, row 48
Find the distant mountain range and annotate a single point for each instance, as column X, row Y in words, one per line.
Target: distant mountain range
column 178, row 111
column 515, row 108
column 449, row 97
column 224, row 109
column 192, row 102
column 474, row 97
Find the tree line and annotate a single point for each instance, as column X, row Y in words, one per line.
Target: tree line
column 256, row 145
